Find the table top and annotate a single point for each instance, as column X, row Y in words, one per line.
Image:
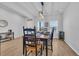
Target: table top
column 42, row 36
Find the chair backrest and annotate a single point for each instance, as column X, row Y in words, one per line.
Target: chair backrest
column 29, row 36
column 52, row 33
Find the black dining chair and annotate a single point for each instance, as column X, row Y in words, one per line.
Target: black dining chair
column 51, row 38
column 30, row 44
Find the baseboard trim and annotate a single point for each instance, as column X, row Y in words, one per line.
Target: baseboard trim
column 72, row 47
column 19, row 37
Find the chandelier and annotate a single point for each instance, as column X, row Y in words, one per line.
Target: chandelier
column 41, row 12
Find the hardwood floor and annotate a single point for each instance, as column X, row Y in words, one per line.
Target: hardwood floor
column 12, row 47
column 60, row 48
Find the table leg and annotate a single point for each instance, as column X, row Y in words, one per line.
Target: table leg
column 46, row 48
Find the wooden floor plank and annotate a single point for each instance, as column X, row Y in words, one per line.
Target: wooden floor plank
column 60, row 48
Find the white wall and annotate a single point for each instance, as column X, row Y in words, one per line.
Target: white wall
column 71, row 26
column 60, row 22
column 29, row 24
column 15, row 22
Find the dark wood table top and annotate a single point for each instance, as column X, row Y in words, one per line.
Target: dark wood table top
column 42, row 36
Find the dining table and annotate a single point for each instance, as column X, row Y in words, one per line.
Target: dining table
column 44, row 38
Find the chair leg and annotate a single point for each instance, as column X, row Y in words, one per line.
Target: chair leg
column 51, row 46
column 41, row 50
column 26, row 53
column 43, row 45
column 36, row 51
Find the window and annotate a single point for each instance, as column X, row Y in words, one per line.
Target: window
column 39, row 24
column 53, row 23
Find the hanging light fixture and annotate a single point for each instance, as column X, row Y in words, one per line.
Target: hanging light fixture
column 41, row 12
column 41, row 15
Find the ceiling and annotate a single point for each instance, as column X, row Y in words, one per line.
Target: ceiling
column 30, row 10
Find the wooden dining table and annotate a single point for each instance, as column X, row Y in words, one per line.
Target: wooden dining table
column 43, row 38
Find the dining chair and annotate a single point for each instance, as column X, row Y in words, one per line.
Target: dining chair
column 30, row 43
column 50, row 41
column 51, row 38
